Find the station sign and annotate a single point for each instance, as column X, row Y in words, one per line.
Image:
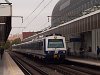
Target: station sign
column 75, row 39
column 5, row 10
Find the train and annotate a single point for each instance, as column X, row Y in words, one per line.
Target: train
column 49, row 47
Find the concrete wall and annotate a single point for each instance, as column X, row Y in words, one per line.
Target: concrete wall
column 91, row 39
column 88, row 39
column 74, row 45
column 95, row 40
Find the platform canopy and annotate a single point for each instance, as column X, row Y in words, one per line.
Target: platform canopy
column 79, row 25
column 5, row 21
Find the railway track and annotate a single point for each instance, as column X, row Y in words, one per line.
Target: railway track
column 29, row 69
column 32, row 67
column 83, row 69
column 63, row 69
column 23, row 67
column 66, row 70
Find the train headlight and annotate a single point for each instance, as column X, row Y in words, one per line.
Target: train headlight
column 64, row 51
column 48, row 52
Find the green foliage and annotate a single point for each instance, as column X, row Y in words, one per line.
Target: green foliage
column 7, row 45
column 16, row 41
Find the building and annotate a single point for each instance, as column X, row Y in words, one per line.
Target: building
column 78, row 21
column 67, row 10
column 27, row 34
column 22, row 36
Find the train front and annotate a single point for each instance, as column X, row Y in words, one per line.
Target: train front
column 55, row 47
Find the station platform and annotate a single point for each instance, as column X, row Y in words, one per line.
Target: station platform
column 8, row 66
column 89, row 61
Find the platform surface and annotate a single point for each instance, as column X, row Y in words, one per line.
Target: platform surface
column 8, row 66
column 90, row 61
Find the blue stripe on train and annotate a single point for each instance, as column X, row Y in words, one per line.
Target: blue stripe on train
column 53, row 52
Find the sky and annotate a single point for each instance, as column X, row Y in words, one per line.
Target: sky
column 35, row 21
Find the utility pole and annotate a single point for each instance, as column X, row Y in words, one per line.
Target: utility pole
column 19, row 17
column 22, row 21
column 7, row 1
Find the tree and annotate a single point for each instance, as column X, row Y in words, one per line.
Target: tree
column 16, row 41
column 7, row 45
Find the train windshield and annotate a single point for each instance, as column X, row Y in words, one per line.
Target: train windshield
column 55, row 43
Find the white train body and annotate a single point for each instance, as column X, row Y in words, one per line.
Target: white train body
column 47, row 47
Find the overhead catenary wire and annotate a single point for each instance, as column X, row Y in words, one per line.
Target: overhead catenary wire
column 31, row 13
column 43, row 25
column 34, row 10
column 38, row 14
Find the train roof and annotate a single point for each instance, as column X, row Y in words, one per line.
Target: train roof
column 33, row 40
column 37, row 39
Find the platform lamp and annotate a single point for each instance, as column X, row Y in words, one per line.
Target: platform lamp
column 52, row 16
column 61, row 21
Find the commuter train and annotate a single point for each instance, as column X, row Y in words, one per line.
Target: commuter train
column 49, row 47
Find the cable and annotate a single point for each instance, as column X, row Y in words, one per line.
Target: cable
column 34, row 10
column 44, row 25
column 38, row 14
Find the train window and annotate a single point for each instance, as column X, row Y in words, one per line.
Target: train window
column 55, row 43
column 40, row 45
column 37, row 46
